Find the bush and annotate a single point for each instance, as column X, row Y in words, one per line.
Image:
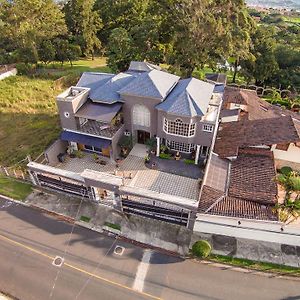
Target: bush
column 85, row 219
column 25, row 69
column 201, row 249
column 286, row 171
column 295, row 182
column 189, row 161
column 113, row 226
column 165, row 155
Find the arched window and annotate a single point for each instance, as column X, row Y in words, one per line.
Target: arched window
column 141, row 115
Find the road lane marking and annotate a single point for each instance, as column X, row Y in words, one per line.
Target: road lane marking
column 142, row 271
column 77, row 268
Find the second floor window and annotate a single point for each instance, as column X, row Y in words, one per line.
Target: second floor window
column 208, row 128
column 177, row 127
column 141, row 115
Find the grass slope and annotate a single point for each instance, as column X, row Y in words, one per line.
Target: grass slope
column 13, row 188
column 28, row 115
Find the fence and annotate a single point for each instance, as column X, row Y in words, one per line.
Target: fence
column 17, row 171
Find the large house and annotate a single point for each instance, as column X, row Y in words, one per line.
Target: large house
column 142, row 103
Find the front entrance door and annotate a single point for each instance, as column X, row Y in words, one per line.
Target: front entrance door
column 143, row 136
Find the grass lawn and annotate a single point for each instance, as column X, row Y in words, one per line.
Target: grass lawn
column 28, row 115
column 13, row 188
column 259, row 266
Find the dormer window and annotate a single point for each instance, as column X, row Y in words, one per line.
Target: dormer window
column 178, row 127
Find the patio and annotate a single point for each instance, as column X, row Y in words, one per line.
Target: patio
column 176, row 167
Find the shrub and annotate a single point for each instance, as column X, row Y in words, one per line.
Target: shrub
column 78, row 153
column 113, row 226
column 286, row 171
column 295, row 182
column 189, row 161
column 201, row 249
column 85, row 219
column 165, row 155
column 25, row 69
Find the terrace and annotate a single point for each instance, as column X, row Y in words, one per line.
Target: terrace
column 100, row 128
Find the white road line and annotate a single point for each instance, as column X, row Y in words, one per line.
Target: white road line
column 142, row 270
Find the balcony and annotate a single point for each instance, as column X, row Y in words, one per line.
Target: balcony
column 100, row 128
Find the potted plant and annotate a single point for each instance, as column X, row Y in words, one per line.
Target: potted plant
column 151, row 144
column 96, row 157
column 147, row 159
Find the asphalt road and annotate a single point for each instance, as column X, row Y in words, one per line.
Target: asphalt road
column 29, row 240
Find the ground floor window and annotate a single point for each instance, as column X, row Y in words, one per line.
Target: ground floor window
column 204, row 151
column 179, row 146
column 92, row 149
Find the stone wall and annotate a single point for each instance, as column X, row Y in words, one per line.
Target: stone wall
column 251, row 249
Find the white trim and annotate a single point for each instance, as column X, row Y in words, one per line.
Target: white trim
column 166, row 127
column 84, row 133
column 208, row 125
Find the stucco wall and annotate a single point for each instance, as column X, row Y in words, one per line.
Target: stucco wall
column 150, row 103
column 291, row 155
column 51, row 152
column 263, row 251
column 201, row 137
column 70, row 106
column 115, row 141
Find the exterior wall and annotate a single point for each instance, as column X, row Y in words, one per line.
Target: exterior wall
column 115, row 140
column 201, row 137
column 291, row 156
column 51, row 152
column 230, row 119
column 150, row 103
column 9, row 73
column 71, row 107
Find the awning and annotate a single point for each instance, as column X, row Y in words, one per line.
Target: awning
column 98, row 111
column 84, row 139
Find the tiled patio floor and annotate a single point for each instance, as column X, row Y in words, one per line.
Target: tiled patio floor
column 137, row 174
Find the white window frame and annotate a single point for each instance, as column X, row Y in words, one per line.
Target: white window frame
column 180, row 146
column 208, row 127
column 82, row 121
column 179, row 128
column 93, row 149
column 141, row 115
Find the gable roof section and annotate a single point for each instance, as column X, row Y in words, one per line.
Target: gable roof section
column 153, row 84
column 190, row 97
column 109, row 91
column 142, row 66
column 233, row 135
column 93, row 80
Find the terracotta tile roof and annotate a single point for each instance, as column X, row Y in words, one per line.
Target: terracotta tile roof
column 233, row 135
column 256, row 107
column 235, row 207
column 252, row 176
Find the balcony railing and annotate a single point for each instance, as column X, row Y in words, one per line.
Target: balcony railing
column 100, row 128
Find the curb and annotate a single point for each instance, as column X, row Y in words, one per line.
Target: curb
column 139, row 244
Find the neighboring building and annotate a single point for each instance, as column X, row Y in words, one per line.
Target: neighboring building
column 142, row 103
column 253, row 139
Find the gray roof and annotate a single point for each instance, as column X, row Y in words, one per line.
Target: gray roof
column 216, row 77
column 142, row 66
column 93, row 79
column 98, row 111
column 190, row 97
column 153, row 84
column 109, row 91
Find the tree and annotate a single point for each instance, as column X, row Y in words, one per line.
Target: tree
column 208, row 31
column 119, row 50
column 66, row 51
column 46, row 52
column 27, row 55
column 262, row 65
column 25, row 23
column 84, row 24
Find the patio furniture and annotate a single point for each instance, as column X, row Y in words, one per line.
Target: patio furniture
column 61, row 157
